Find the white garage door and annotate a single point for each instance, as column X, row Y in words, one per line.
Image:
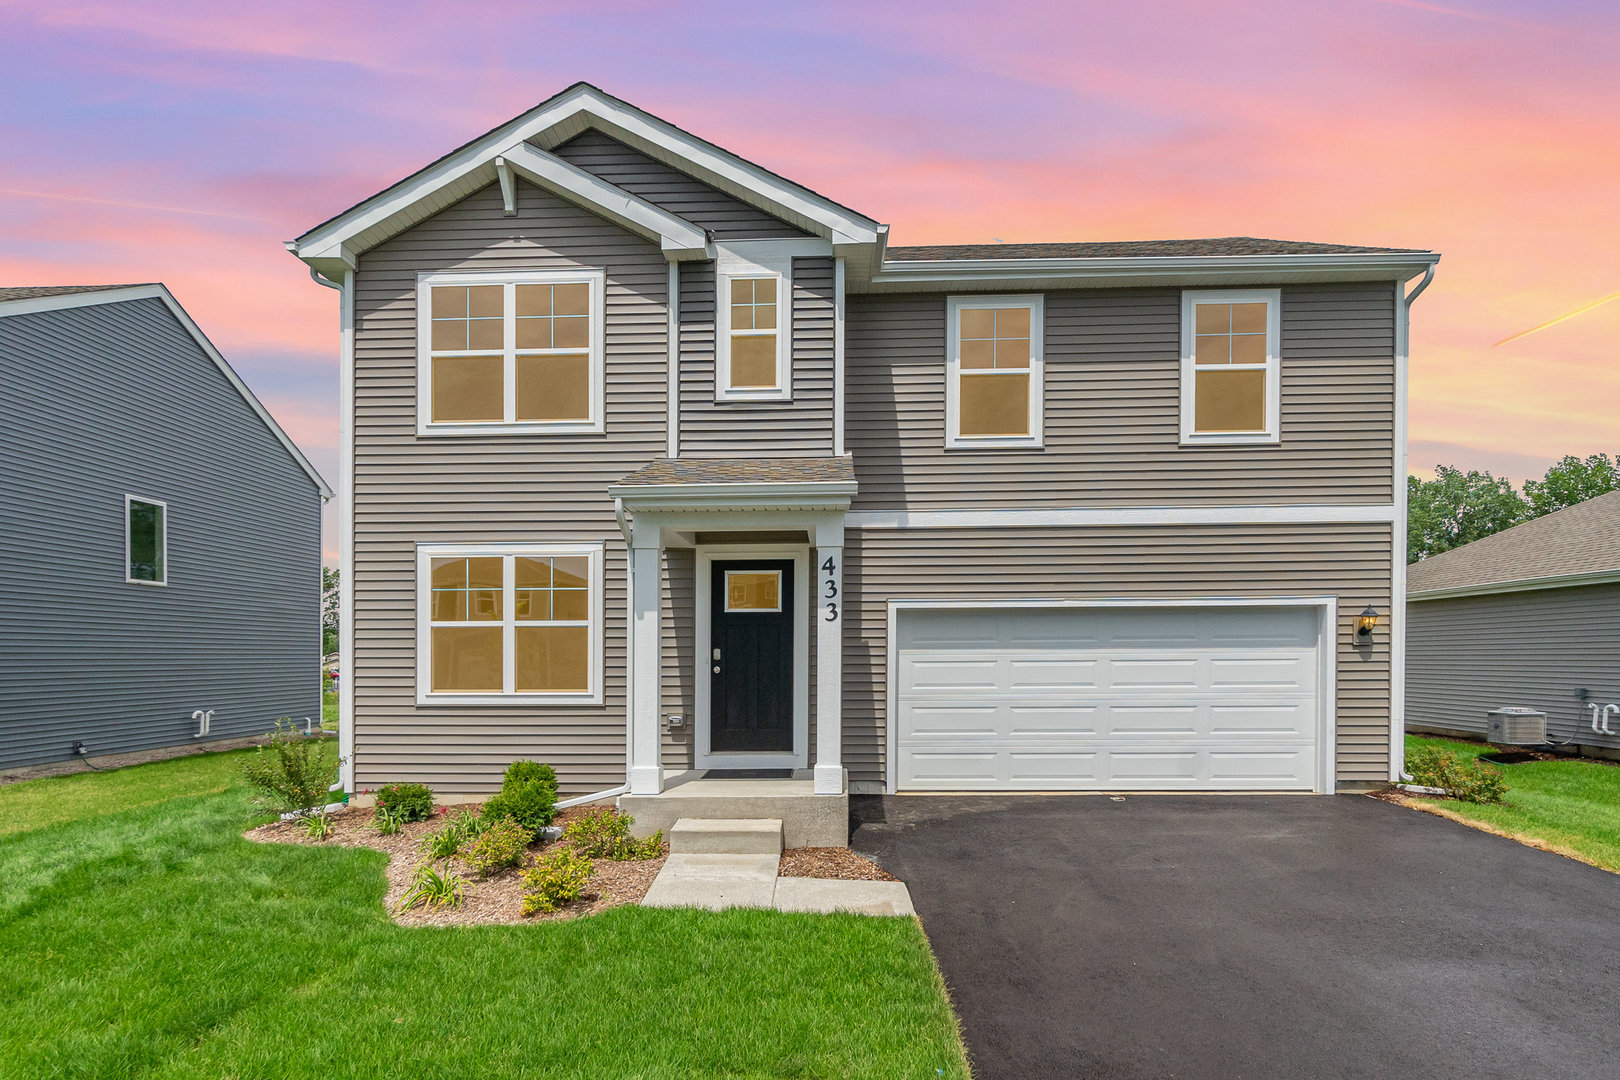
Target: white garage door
column 1067, row 699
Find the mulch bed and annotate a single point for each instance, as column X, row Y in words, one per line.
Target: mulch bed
column 831, row 862
column 495, row 899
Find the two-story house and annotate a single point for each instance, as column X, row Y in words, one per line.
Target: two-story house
column 658, row 465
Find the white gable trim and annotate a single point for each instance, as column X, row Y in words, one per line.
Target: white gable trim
column 574, row 110
column 145, row 292
column 679, row 238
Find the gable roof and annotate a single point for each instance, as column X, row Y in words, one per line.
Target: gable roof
column 27, row 299
column 1578, row 545
column 333, row 245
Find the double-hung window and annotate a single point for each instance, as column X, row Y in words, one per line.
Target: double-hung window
column 509, row 622
column 518, row 352
column 993, row 371
column 753, row 348
column 1230, row 391
column 146, row 541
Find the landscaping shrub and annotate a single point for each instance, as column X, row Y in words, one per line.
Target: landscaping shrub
column 528, row 796
column 500, row 845
column 292, row 773
column 318, row 826
column 386, row 822
column 458, row 830
column 434, row 888
column 1463, row 778
column 411, row 802
column 604, row 833
column 554, row 880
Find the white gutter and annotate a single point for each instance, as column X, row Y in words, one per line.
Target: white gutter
column 1077, row 272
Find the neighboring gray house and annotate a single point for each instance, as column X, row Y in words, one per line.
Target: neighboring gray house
column 1529, row 616
column 161, row 534
column 662, row 463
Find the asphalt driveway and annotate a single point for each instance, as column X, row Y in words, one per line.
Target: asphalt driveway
column 1179, row 936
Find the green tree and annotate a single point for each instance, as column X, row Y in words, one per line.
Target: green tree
column 331, row 597
column 1457, row 508
column 1572, row 481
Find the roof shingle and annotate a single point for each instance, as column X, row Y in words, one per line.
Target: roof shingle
column 1123, row 249
column 34, row 292
column 1579, row 539
column 798, row 470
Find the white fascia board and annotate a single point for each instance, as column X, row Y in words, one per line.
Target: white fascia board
column 1040, row 517
column 1158, row 269
column 679, row 238
column 738, row 177
column 821, row 494
column 145, row 292
column 1553, row 581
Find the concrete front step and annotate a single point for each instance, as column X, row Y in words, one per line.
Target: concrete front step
column 726, row 836
column 808, row 819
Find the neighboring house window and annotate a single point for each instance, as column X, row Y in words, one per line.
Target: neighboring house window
column 754, row 295
column 523, row 352
column 1230, row 389
column 509, row 621
column 993, row 372
column 146, row 541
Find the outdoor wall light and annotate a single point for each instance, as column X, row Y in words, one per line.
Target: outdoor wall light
column 1364, row 625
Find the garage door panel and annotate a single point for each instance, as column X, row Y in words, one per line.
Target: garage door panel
column 1111, row 699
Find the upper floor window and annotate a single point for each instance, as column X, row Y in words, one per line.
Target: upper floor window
column 520, row 351
column 1230, row 389
column 146, row 541
column 993, row 378
column 753, row 352
column 509, row 621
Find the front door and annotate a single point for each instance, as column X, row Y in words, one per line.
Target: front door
column 751, row 657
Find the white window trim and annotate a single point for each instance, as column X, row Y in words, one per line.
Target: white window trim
column 1273, row 301
column 163, row 539
column 759, row 259
column 426, row 553
column 954, row 306
column 596, row 279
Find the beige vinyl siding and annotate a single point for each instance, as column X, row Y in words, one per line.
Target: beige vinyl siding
column 1351, row 562
column 670, row 189
column 801, row 427
column 1469, row 654
column 494, row 488
column 677, row 622
column 1112, row 407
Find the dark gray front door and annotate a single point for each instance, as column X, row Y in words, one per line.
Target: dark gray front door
column 751, row 656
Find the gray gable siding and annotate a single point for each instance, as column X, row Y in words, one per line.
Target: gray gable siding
column 1466, row 655
column 1112, row 407
column 755, row 429
column 102, row 401
column 670, row 189
column 493, row 489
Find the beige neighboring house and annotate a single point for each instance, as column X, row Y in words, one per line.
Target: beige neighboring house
column 1528, row 616
column 660, row 464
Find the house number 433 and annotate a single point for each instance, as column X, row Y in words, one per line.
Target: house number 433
column 829, row 590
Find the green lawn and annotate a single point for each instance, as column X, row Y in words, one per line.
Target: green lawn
column 1571, row 806
column 329, row 711
column 145, row 938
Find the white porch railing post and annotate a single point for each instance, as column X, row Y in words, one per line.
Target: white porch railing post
column 829, row 616
column 646, row 768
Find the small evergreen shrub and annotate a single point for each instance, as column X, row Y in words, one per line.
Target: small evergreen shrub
column 500, row 845
column 433, row 888
column 1463, row 778
column 528, row 796
column 291, row 773
column 604, row 833
column 529, row 772
column 410, row 802
column 554, row 880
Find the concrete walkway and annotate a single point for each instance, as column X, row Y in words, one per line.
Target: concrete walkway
column 717, row 882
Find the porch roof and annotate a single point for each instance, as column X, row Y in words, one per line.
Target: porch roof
column 739, row 483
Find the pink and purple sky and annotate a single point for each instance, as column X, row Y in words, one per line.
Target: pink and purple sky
column 184, row 141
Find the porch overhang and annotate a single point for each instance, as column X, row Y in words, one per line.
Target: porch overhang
column 813, row 485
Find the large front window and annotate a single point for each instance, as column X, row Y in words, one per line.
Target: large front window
column 510, row 621
column 993, row 382
column 521, row 351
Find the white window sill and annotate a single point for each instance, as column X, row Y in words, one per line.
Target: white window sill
column 144, row 581
column 1258, row 438
column 1022, row 442
column 494, row 698
column 502, row 428
column 753, row 395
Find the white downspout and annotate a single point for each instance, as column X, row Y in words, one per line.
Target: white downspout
column 1397, row 582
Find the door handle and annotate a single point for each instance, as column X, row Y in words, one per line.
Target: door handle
column 717, row 669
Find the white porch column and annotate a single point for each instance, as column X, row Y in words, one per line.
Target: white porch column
column 646, row 768
column 829, row 615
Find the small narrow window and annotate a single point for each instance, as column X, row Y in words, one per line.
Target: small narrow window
column 993, row 379
column 145, row 541
column 510, row 621
column 751, row 361
column 1229, row 373
column 522, row 351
